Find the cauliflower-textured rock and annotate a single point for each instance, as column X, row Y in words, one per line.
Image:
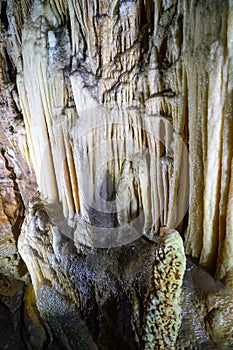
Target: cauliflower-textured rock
column 163, row 309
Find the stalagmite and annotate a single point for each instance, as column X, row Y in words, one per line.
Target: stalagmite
column 163, row 309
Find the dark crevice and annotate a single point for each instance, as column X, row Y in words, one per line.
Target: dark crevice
column 4, row 19
column 146, row 19
column 165, row 92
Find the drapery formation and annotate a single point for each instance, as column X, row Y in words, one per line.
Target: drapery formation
column 149, row 80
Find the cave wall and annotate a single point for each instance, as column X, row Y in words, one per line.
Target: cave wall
column 161, row 72
column 120, row 114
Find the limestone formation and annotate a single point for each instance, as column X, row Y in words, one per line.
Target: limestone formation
column 163, row 309
column 116, row 120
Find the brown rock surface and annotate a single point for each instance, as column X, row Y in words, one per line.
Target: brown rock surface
column 11, row 218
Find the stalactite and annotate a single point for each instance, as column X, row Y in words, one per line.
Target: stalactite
column 105, row 57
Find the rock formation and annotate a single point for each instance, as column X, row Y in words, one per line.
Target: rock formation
column 116, row 191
